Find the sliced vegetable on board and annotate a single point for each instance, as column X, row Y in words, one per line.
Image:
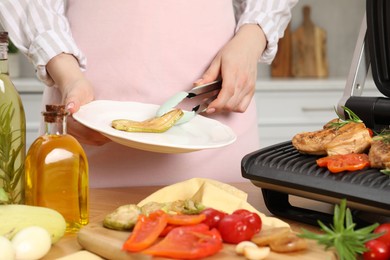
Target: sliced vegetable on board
column 182, row 219
column 146, row 231
column 188, row 242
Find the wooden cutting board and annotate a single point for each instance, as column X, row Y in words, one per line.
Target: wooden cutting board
column 309, row 58
column 108, row 244
column 281, row 66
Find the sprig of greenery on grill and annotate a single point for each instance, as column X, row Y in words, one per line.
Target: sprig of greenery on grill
column 351, row 118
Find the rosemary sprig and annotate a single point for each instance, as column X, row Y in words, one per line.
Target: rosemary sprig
column 383, row 136
column 352, row 117
column 342, row 235
column 386, row 171
column 10, row 148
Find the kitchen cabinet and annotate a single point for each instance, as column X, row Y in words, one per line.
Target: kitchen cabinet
column 286, row 107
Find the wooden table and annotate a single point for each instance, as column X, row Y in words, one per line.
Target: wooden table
column 105, row 200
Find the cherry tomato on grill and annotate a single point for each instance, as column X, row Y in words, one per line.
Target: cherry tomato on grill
column 254, row 220
column 213, row 217
column 234, row 229
column 377, row 250
column 385, row 229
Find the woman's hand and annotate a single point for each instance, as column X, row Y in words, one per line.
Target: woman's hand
column 75, row 95
column 76, row 91
column 236, row 64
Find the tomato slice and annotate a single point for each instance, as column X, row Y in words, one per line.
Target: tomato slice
column 182, row 219
column 346, row 162
column 146, row 231
column 188, row 242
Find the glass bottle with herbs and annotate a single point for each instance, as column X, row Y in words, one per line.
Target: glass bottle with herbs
column 57, row 171
column 12, row 134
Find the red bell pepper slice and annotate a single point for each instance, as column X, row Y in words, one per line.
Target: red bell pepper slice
column 167, row 229
column 146, row 231
column 346, row 162
column 178, row 220
column 188, row 242
column 182, row 219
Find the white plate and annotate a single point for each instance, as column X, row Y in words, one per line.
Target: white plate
column 198, row 134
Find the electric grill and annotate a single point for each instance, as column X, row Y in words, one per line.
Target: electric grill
column 281, row 171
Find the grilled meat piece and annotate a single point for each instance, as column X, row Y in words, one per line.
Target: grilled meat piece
column 379, row 154
column 313, row 142
column 349, row 138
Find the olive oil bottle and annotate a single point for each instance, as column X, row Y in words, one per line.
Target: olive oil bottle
column 57, row 171
column 12, row 134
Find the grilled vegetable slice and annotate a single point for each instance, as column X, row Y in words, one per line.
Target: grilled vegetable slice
column 123, row 218
column 153, row 125
column 344, row 162
column 146, row 231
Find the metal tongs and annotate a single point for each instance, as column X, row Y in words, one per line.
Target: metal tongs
column 209, row 91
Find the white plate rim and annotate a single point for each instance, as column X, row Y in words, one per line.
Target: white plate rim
column 134, row 140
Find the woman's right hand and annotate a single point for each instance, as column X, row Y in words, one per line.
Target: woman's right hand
column 76, row 91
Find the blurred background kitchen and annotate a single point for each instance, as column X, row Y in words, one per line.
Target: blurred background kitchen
column 286, row 104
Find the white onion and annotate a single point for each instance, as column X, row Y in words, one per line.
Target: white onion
column 6, row 249
column 31, row 243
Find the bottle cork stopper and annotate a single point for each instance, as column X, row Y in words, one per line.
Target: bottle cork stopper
column 53, row 112
column 3, row 37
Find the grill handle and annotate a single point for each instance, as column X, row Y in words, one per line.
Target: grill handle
column 374, row 111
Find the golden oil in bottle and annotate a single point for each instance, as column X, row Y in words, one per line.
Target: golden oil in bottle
column 57, row 171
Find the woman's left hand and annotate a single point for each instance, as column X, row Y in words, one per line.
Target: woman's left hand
column 236, row 64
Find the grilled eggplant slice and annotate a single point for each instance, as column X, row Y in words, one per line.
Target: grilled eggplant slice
column 153, row 125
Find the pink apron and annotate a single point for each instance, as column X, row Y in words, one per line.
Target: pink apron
column 145, row 51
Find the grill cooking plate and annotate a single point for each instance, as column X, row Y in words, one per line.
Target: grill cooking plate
column 280, row 170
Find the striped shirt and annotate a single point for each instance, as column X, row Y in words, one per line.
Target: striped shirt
column 40, row 29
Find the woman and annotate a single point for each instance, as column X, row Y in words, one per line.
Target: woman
column 145, row 51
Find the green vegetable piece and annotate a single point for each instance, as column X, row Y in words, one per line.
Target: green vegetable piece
column 123, row 218
column 188, row 207
column 342, row 235
column 153, row 206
